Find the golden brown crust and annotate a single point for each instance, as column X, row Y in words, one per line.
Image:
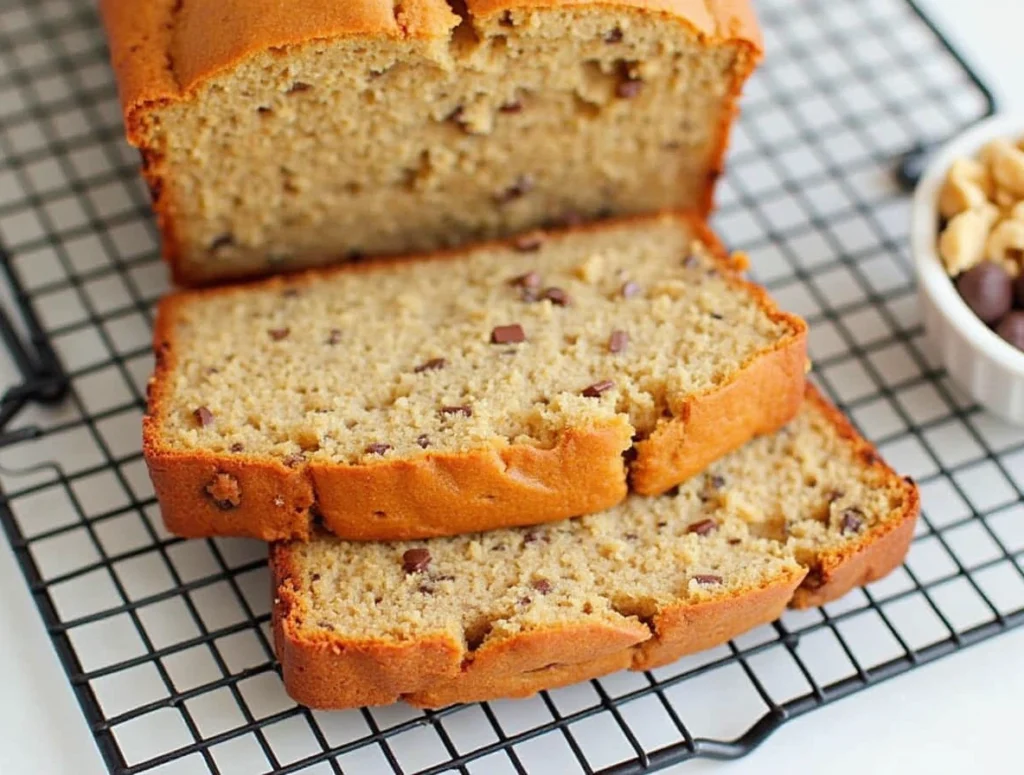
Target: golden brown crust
column 324, row 671
column 687, row 629
column 448, row 494
column 880, row 549
column 320, row 671
column 762, row 397
column 163, row 51
column 328, row 671
column 451, row 493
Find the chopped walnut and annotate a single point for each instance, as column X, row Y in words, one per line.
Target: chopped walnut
column 962, row 242
column 1006, row 165
column 1005, row 244
column 960, row 194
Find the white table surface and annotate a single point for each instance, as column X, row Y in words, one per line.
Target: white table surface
column 961, row 714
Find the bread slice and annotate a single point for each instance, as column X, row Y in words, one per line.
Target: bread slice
column 798, row 517
column 396, row 400
column 277, row 135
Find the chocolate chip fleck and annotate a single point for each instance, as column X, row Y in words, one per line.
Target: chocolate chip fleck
column 541, row 585
column 416, row 560
column 289, row 293
column 852, row 520
column 434, row 364
column 465, row 411
column 203, row 416
column 595, row 390
column 703, row 528
column 987, row 288
column 630, row 289
column 523, row 185
column 557, row 296
column 615, row 36
column 377, row 448
column 524, row 600
column 222, row 241
column 631, row 536
column 425, row 589
column 735, row 541
column 629, row 88
column 707, row 579
column 506, row 19
column 510, row 334
column 511, row 107
column 225, row 491
column 716, row 316
column 299, row 86
column 835, row 495
column 277, row 334
column 716, row 482
column 314, row 577
column 528, row 280
column 663, row 524
column 334, row 336
column 529, row 243
column 423, row 440
column 618, row 341
column 531, row 537
column 456, row 116
column 237, row 446
column 325, row 625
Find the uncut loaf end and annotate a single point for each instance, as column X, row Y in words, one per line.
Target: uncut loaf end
column 457, row 392
column 278, row 135
column 798, row 517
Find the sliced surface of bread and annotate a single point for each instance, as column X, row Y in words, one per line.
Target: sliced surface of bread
column 277, row 135
column 465, row 391
column 798, row 517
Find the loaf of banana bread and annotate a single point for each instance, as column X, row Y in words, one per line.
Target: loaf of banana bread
column 277, row 135
column 449, row 393
column 798, row 517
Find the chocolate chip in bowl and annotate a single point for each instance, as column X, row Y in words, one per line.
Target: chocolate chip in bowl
column 987, row 289
column 967, row 238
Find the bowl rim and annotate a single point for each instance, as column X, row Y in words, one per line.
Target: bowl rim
column 924, row 235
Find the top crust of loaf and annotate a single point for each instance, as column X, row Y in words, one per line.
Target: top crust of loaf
column 163, row 50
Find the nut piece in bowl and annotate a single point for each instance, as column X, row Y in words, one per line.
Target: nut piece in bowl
column 968, row 243
column 981, row 209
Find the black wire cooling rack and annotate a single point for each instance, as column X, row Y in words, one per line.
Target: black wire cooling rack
column 165, row 642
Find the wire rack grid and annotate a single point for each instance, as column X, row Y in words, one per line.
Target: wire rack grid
column 166, row 643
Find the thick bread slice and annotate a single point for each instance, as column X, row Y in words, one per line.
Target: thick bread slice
column 798, row 518
column 276, row 135
column 395, row 400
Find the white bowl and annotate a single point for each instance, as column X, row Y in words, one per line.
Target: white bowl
column 990, row 369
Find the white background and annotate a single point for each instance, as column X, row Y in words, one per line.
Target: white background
column 962, row 714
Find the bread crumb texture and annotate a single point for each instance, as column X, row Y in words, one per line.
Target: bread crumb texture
column 391, row 140
column 758, row 517
column 502, row 346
